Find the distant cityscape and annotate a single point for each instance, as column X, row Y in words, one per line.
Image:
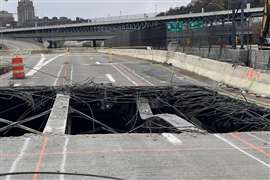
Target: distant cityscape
column 27, row 18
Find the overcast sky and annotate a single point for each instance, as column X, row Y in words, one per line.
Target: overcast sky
column 95, row 8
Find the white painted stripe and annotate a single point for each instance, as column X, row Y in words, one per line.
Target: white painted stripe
column 17, row 85
column 19, row 157
column 109, row 76
column 58, row 75
column 145, row 80
column 256, row 137
column 172, row 138
column 37, row 67
column 41, row 64
column 52, row 59
column 71, row 74
column 123, row 74
column 64, row 158
column 241, row 150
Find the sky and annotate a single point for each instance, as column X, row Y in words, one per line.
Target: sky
column 95, row 8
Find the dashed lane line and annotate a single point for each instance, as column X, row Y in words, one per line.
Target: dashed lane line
column 172, row 138
column 17, row 85
column 109, row 76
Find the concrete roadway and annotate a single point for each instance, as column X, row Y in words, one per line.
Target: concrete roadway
column 19, row 45
column 128, row 156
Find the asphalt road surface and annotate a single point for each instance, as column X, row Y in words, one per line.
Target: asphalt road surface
column 239, row 156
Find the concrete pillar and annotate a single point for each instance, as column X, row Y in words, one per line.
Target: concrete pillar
column 55, row 44
column 50, row 44
column 94, row 43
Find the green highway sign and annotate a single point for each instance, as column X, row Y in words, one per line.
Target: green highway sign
column 193, row 25
column 176, row 26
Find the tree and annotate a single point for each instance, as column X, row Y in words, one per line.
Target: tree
column 209, row 5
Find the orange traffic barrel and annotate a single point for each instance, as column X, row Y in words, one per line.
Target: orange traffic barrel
column 18, row 68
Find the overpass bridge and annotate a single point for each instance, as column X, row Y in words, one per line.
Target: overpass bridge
column 108, row 29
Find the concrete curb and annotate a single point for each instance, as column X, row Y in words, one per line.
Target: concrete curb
column 245, row 78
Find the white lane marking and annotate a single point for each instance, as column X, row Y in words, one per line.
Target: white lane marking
column 71, row 74
column 172, row 138
column 123, row 74
column 17, row 85
column 241, row 150
column 41, row 64
column 58, row 75
column 37, row 67
column 19, row 157
column 256, row 137
column 64, row 158
column 52, row 59
column 98, row 63
column 109, row 76
column 145, row 80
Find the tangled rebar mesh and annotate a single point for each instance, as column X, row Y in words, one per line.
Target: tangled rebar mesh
column 20, row 107
column 203, row 107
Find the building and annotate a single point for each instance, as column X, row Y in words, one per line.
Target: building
column 6, row 19
column 46, row 21
column 194, row 1
column 26, row 13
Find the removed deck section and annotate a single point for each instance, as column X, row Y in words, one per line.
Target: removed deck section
column 58, row 117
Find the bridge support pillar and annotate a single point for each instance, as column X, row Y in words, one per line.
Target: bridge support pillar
column 55, row 44
column 94, row 43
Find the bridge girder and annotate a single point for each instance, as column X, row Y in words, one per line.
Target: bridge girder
column 110, row 29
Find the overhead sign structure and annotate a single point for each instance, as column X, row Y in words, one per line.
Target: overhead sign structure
column 176, row 26
column 194, row 25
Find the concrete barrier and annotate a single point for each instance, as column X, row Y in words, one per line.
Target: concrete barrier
column 249, row 79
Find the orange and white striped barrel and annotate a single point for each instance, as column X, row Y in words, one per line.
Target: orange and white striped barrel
column 18, row 68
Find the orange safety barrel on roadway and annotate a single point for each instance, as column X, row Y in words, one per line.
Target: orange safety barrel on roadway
column 18, row 68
